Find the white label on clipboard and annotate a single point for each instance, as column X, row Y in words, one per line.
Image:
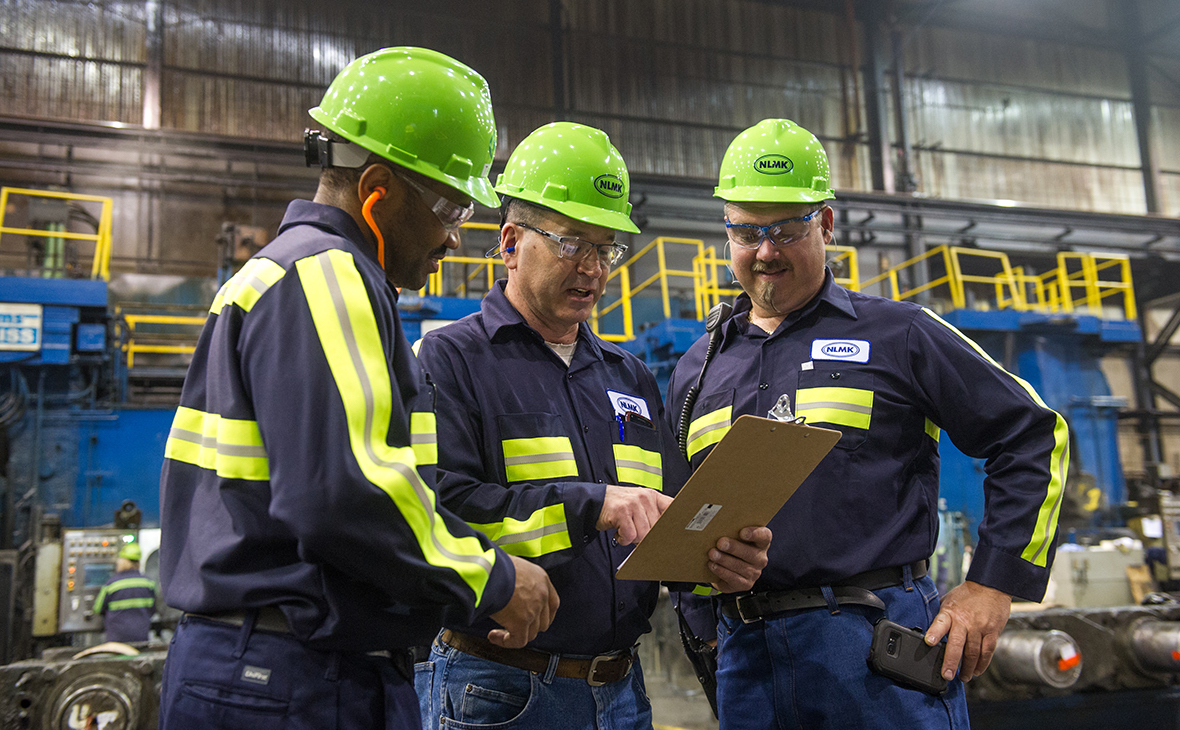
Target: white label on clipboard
column 703, row 517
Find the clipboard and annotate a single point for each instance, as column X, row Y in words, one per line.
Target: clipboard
column 745, row 480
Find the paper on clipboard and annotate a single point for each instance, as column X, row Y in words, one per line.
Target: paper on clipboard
column 745, row 480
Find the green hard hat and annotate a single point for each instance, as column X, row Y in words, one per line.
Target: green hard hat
column 420, row 109
column 775, row 161
column 131, row 552
column 574, row 170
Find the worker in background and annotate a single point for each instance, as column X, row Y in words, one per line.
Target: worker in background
column 301, row 533
column 851, row 546
column 553, row 443
column 128, row 600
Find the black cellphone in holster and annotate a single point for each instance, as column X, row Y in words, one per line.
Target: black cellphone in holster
column 902, row 655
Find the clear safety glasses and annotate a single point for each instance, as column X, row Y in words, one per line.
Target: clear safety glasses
column 783, row 233
column 578, row 249
column 451, row 215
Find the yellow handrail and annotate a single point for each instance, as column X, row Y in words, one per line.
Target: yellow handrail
column 132, row 320
column 101, row 264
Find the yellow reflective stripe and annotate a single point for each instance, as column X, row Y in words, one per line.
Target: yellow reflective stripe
column 639, row 466
column 246, row 286
column 932, row 431
column 424, row 437
column 231, row 447
column 126, row 603
column 545, row 531
column 120, row 585
column 547, row 457
column 1036, row 552
column 702, row 590
column 708, row 429
column 347, row 329
column 851, row 407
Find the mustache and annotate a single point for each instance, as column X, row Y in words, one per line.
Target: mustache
column 772, row 267
column 439, row 253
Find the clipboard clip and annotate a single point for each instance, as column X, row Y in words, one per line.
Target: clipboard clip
column 782, row 411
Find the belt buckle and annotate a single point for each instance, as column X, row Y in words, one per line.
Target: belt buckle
column 740, row 602
column 594, row 667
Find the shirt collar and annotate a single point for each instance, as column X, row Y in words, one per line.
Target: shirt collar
column 500, row 318
column 329, row 218
column 830, row 294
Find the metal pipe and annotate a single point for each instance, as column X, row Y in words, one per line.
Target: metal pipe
column 1156, row 644
column 1044, row 658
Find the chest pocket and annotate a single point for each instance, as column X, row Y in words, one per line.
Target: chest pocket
column 713, row 422
column 840, row 398
column 637, row 459
column 532, row 448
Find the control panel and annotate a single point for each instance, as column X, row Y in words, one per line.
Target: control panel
column 88, row 562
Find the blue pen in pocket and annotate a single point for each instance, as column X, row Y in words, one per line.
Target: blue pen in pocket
column 622, row 430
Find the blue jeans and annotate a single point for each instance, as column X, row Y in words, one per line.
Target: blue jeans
column 809, row 669
column 223, row 677
column 458, row 690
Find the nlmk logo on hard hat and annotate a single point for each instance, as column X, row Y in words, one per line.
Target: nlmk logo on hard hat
column 609, row 185
column 774, row 164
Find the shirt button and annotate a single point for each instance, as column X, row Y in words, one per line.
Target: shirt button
column 569, row 377
column 835, row 376
column 622, row 606
column 763, row 386
column 601, row 482
column 585, row 429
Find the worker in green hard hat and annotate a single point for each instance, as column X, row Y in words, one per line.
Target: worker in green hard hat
column 553, row 441
column 128, row 599
column 301, row 531
column 853, row 544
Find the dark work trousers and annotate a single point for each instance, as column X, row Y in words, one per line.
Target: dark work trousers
column 238, row 678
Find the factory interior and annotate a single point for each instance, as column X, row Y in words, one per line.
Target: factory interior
column 1013, row 165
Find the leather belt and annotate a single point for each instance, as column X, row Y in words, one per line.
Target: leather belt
column 597, row 671
column 857, row 590
column 269, row 618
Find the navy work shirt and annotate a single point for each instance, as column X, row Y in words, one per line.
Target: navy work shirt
column 892, row 376
column 299, row 471
column 526, row 446
column 127, row 602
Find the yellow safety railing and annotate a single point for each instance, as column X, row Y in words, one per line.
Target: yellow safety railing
column 101, row 263
column 131, row 347
column 1094, row 282
column 435, row 284
column 663, row 273
column 845, row 258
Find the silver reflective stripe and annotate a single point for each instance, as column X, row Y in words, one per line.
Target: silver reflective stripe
column 192, row 437
column 532, row 534
column 639, row 466
column 211, row 442
column 410, row 474
column 538, row 458
column 836, row 405
column 423, row 438
column 706, row 429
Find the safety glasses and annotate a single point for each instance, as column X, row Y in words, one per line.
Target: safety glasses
column 783, row 233
column 451, row 215
column 578, row 249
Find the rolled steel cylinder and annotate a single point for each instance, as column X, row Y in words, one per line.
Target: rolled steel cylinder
column 1156, row 644
column 1044, row 658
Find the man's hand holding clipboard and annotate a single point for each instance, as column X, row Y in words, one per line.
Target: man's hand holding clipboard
column 745, row 480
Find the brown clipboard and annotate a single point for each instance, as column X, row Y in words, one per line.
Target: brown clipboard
column 745, row 480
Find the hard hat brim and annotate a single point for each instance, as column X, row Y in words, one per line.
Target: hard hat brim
column 578, row 211
column 748, row 194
